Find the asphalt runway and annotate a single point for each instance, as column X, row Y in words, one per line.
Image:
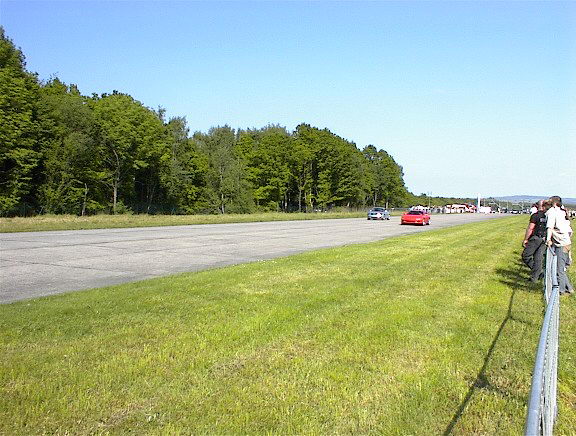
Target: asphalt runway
column 44, row 263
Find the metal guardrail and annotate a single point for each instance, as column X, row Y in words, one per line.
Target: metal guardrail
column 542, row 405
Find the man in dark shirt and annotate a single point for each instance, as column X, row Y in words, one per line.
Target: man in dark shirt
column 535, row 243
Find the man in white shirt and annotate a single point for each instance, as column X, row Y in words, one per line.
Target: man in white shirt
column 558, row 234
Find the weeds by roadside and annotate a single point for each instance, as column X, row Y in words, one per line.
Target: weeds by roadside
column 424, row 334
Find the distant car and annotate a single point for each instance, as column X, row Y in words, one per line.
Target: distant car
column 378, row 213
column 415, row 217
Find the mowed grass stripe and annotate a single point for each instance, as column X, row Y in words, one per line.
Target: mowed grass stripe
column 418, row 334
column 49, row 222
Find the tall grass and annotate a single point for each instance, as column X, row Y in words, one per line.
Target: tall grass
column 73, row 222
column 424, row 334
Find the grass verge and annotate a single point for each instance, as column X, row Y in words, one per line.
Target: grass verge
column 72, row 222
column 433, row 333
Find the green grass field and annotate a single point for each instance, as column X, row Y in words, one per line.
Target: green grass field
column 432, row 333
column 72, row 222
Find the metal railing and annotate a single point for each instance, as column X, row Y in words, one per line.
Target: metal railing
column 542, row 405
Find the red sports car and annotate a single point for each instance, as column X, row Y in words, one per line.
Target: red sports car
column 415, row 217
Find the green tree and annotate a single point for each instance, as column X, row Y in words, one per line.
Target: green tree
column 330, row 170
column 394, row 191
column 377, row 173
column 152, row 151
column 267, row 154
column 388, row 178
column 68, row 148
column 352, row 183
column 228, row 189
column 301, row 163
column 307, row 148
column 19, row 134
column 132, row 144
column 185, row 170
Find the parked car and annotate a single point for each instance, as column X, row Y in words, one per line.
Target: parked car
column 378, row 213
column 415, row 217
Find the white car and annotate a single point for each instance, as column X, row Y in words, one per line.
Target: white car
column 378, row 213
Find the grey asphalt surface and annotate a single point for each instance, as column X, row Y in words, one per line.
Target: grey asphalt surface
column 36, row 264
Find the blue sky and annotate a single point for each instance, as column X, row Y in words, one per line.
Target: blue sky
column 469, row 97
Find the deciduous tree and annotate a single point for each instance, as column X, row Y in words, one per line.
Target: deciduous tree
column 228, row 189
column 19, row 132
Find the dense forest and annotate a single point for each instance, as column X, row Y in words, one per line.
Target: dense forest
column 63, row 152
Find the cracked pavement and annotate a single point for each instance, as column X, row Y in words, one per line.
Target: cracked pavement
column 37, row 264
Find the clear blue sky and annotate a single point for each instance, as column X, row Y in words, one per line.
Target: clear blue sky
column 469, row 97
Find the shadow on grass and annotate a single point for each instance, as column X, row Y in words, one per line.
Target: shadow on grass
column 516, row 279
column 517, row 276
column 481, row 381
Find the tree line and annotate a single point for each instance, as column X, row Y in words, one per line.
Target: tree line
column 63, row 152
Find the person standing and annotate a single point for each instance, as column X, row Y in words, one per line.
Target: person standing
column 534, row 242
column 558, row 234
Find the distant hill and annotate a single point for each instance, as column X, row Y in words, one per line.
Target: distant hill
column 532, row 199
